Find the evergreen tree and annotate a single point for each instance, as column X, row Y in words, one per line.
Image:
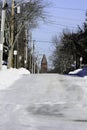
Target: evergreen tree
column 69, row 48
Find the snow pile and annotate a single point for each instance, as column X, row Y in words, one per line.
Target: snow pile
column 75, row 71
column 9, row 76
column 23, row 71
column 79, row 72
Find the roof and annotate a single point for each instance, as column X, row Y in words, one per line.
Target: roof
column 44, row 60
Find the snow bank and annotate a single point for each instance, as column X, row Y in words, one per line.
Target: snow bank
column 9, row 76
column 79, row 72
column 75, row 71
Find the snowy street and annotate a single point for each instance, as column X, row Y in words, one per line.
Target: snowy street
column 43, row 65
column 44, row 102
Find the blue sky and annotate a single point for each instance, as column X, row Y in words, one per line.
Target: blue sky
column 62, row 14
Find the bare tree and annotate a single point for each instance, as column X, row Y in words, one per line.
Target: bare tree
column 31, row 11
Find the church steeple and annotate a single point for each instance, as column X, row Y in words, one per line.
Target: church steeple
column 44, row 64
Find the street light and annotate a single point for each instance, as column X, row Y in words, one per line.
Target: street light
column 18, row 10
column 81, row 61
column 15, row 55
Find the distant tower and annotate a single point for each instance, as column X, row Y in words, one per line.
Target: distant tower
column 44, row 64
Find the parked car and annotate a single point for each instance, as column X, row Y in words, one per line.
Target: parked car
column 79, row 72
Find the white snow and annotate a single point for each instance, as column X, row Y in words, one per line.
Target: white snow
column 9, row 76
column 75, row 71
column 42, row 101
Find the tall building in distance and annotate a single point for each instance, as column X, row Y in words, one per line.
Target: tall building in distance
column 44, row 65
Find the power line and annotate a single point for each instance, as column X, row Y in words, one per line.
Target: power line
column 56, row 22
column 65, row 18
column 53, row 22
column 43, row 41
column 73, row 9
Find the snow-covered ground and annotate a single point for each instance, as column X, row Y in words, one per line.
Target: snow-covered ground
column 42, row 101
column 9, row 76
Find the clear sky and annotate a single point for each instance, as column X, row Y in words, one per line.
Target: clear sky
column 62, row 14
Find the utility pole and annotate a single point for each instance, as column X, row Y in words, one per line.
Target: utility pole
column 32, row 61
column 38, row 60
column 26, row 47
column 33, row 57
column 4, row 5
column 10, row 58
column 30, row 55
